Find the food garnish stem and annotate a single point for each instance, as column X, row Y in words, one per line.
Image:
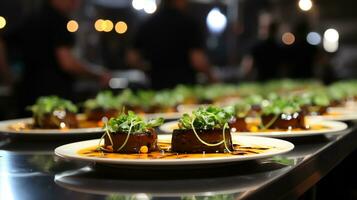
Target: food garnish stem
column 224, row 137
column 127, row 137
column 198, row 137
column 271, row 122
column 106, row 132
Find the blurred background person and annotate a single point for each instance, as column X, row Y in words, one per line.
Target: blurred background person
column 265, row 59
column 300, row 57
column 45, row 46
column 5, row 71
column 172, row 43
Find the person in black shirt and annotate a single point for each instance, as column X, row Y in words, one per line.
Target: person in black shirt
column 173, row 44
column 45, row 47
column 300, row 57
column 264, row 61
column 266, row 55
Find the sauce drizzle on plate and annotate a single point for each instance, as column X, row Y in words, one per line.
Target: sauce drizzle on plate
column 165, row 153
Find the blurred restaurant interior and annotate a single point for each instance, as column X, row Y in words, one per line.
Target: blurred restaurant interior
column 291, row 39
column 76, row 49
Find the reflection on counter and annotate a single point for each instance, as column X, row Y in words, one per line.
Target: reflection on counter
column 214, row 182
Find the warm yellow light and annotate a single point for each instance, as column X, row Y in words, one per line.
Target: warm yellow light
column 99, row 25
column 72, row 26
column 2, row 22
column 288, row 38
column 121, row 27
column 305, row 5
column 108, row 26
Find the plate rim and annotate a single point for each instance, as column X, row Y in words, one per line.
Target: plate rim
column 61, row 152
column 345, row 117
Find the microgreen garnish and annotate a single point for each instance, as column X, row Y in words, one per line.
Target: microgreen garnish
column 130, row 124
column 208, row 118
column 242, row 109
column 104, row 99
column 277, row 107
column 48, row 104
column 280, row 106
column 312, row 99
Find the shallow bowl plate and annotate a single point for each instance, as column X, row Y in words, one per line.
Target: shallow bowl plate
column 70, row 151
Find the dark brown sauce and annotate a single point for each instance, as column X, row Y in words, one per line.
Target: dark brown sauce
column 165, row 153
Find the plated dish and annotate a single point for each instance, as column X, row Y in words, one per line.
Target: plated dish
column 86, row 151
column 52, row 112
column 280, row 105
column 277, row 117
column 24, row 127
column 315, row 128
column 203, row 137
column 318, row 127
column 51, row 115
column 104, row 105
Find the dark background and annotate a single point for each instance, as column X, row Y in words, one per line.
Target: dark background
column 225, row 50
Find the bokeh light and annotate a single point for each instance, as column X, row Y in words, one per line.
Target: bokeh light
column 102, row 25
column 330, row 41
column 331, row 35
column 149, row 6
column 216, row 21
column 121, row 27
column 313, row 38
column 2, row 22
column 108, row 26
column 99, row 25
column 330, row 46
column 72, row 26
column 138, row 4
column 305, row 5
column 288, row 38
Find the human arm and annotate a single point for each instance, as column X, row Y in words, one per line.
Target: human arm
column 135, row 60
column 72, row 65
column 247, row 65
column 200, row 62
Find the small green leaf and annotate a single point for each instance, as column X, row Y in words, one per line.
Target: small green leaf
column 210, row 117
column 131, row 123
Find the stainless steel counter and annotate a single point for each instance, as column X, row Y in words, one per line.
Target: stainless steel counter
column 29, row 170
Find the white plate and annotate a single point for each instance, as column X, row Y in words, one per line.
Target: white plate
column 4, row 128
column 340, row 117
column 69, row 151
column 168, row 127
column 343, row 113
column 334, row 127
column 344, row 110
